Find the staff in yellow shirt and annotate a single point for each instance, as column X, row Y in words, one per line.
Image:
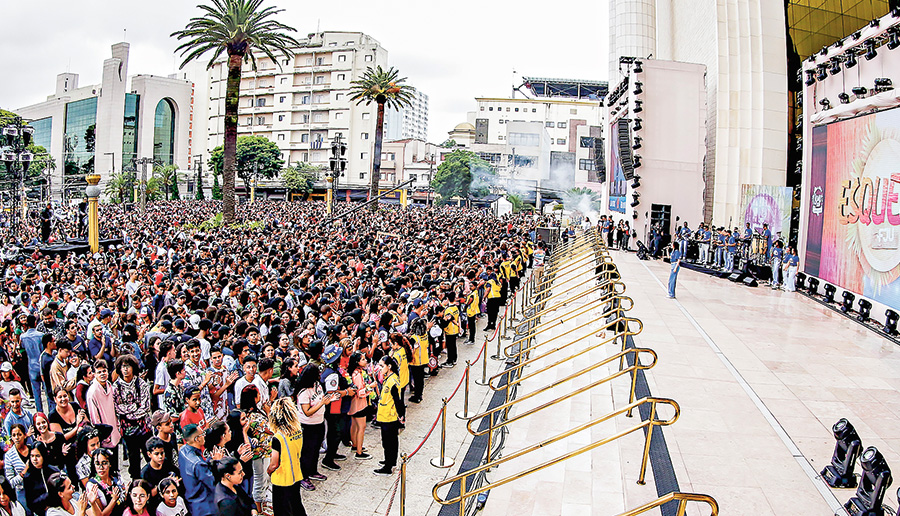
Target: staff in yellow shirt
column 391, row 414
column 284, row 463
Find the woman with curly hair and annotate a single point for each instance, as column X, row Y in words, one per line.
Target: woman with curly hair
column 284, row 463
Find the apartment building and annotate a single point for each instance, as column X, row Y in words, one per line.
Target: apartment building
column 409, row 122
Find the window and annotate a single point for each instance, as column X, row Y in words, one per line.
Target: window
column 413, row 177
column 561, row 125
column 305, row 118
column 281, row 118
column 249, row 120
column 366, row 116
column 586, row 142
column 304, row 156
column 342, row 77
column 362, row 175
column 348, row 44
column 560, row 141
column 339, row 96
column 249, row 102
column 502, row 120
column 342, row 58
column 339, row 115
column 284, row 80
column 319, row 117
column 320, row 61
column 304, row 138
column 260, row 102
column 481, row 108
column 363, row 155
column 573, row 111
column 281, row 99
column 501, row 137
column 364, row 136
column 287, row 62
column 370, row 58
column 318, row 99
column 332, row 44
column 526, row 139
column 517, row 110
column 304, row 99
column 534, row 110
column 549, row 124
column 280, row 137
column 507, row 110
column 320, row 79
column 586, row 164
column 308, row 60
column 260, row 120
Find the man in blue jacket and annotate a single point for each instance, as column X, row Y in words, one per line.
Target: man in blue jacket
column 31, row 341
column 196, row 473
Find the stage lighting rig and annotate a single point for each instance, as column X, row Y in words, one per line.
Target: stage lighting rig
column 873, row 484
column 637, row 67
column 638, row 106
column 893, row 38
column 883, row 84
column 813, row 287
column 637, row 124
column 857, row 34
column 865, row 309
column 844, row 98
column 847, row 303
column 822, row 72
column 636, row 181
column 860, row 91
column 825, row 103
column 637, row 161
column 871, row 53
column 850, row 60
column 874, row 23
column 637, row 143
column 810, row 77
column 634, row 215
column 638, row 88
column 846, row 450
column 830, row 290
column 890, row 321
column 835, row 65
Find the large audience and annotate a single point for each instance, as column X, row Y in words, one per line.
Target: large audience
column 200, row 369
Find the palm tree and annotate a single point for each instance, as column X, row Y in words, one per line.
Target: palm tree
column 386, row 88
column 237, row 28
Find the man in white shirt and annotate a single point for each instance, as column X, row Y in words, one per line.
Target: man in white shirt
column 250, row 377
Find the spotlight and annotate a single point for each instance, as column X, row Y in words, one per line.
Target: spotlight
column 847, row 303
column 860, row 91
column 865, row 308
column 873, row 483
column 890, row 321
column 874, row 23
column 844, row 98
column 801, row 281
column 895, row 12
column 810, row 77
column 813, row 287
column 636, row 183
column 835, row 65
column 883, row 84
column 637, row 161
column 637, row 199
column 638, row 107
column 634, row 215
column 825, row 103
column 637, row 143
column 829, row 292
column 637, row 67
column 850, row 60
column 824, row 51
column 847, row 449
column 637, row 88
column 637, row 124
column 893, row 38
column 857, row 35
column 871, row 53
column 822, row 72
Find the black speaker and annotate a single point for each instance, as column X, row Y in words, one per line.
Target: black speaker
column 750, row 281
column 735, row 276
column 599, row 159
column 624, row 140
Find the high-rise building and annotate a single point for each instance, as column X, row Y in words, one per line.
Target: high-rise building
column 103, row 128
column 301, row 102
column 409, row 122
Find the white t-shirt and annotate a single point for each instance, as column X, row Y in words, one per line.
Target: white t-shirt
column 161, row 379
column 260, row 386
column 179, row 510
column 310, row 397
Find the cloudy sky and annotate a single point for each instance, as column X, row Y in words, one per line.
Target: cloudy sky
column 453, row 53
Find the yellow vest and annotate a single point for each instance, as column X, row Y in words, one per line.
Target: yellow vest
column 400, row 356
column 288, row 472
column 506, row 269
column 495, row 288
column 474, row 307
column 453, row 326
column 421, row 357
column 387, row 409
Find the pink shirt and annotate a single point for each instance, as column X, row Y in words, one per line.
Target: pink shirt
column 102, row 410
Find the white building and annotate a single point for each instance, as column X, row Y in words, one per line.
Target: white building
column 409, row 122
column 102, row 128
column 742, row 44
column 302, row 102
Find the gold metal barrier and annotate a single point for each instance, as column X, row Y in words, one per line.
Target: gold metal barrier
column 578, row 241
column 495, row 424
column 605, row 275
column 521, row 364
column 508, row 350
column 600, row 286
column 649, row 424
column 682, row 499
column 571, row 314
column 584, row 264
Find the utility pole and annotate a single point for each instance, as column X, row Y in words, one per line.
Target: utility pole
column 337, row 164
column 254, row 181
column 143, row 162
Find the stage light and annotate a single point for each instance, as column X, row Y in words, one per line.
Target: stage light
column 637, row 161
column 847, row 303
column 829, row 292
column 810, row 77
column 637, row 67
column 847, row 449
column 890, row 321
column 860, row 91
column 874, row 23
column 813, row 286
column 637, row 88
column 883, row 84
column 893, row 38
column 825, row 103
column 850, row 60
column 857, row 35
column 822, row 72
column 801, row 281
column 824, row 51
column 873, row 484
column 637, row 124
column 637, row 143
column 637, row 181
column 835, row 65
column 865, row 309
column 871, row 53
column 638, row 107
column 634, row 215
column 895, row 12
column 844, row 98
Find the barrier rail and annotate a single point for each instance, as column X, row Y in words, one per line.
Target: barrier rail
column 682, row 499
column 601, row 286
column 510, row 352
column 604, row 275
column 649, row 424
column 571, row 314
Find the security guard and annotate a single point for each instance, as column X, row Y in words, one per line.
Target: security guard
column 391, row 415
column 473, row 307
column 284, row 464
column 494, row 300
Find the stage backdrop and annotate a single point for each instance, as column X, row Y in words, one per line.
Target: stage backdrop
column 618, row 185
column 854, row 217
column 762, row 204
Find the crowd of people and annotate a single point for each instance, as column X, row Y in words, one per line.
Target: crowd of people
column 202, row 372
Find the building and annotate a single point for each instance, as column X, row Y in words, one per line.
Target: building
column 409, row 122
column 103, row 128
column 752, row 51
column 303, row 101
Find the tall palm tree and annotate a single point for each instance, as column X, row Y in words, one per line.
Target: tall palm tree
column 237, row 28
column 387, row 89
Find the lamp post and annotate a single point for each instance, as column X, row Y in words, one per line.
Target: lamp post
column 336, row 164
column 93, row 194
column 143, row 162
column 199, row 180
column 17, row 159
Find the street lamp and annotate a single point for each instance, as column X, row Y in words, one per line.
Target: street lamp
column 17, row 159
column 337, row 164
column 143, row 162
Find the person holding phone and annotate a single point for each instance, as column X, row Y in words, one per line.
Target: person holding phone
column 312, row 401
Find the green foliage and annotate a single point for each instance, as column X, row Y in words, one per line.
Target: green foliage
column 455, row 176
column 581, row 197
column 216, row 189
column 168, row 180
column 252, row 152
column 200, row 195
column 42, row 159
column 381, row 86
column 449, row 144
column 519, row 205
column 218, row 221
column 300, row 177
column 155, row 189
column 120, row 187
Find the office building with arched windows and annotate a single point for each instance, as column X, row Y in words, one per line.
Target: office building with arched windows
column 105, row 128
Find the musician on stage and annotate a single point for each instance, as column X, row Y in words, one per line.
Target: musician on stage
column 720, row 249
column 705, row 238
column 777, row 254
column 748, row 233
column 46, row 218
column 731, row 249
column 768, row 236
column 685, row 234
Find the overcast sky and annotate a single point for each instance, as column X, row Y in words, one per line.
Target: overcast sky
column 453, row 53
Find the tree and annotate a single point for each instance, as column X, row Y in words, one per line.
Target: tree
column 168, row 180
column 386, row 88
column 216, row 189
column 518, row 204
column 255, row 155
column 120, row 187
column 154, row 188
column 236, row 28
column 458, row 173
column 200, row 195
column 300, row 177
column 449, row 144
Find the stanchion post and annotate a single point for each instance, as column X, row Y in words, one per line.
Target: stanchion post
column 443, row 461
column 484, row 380
column 403, row 460
column 464, row 414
